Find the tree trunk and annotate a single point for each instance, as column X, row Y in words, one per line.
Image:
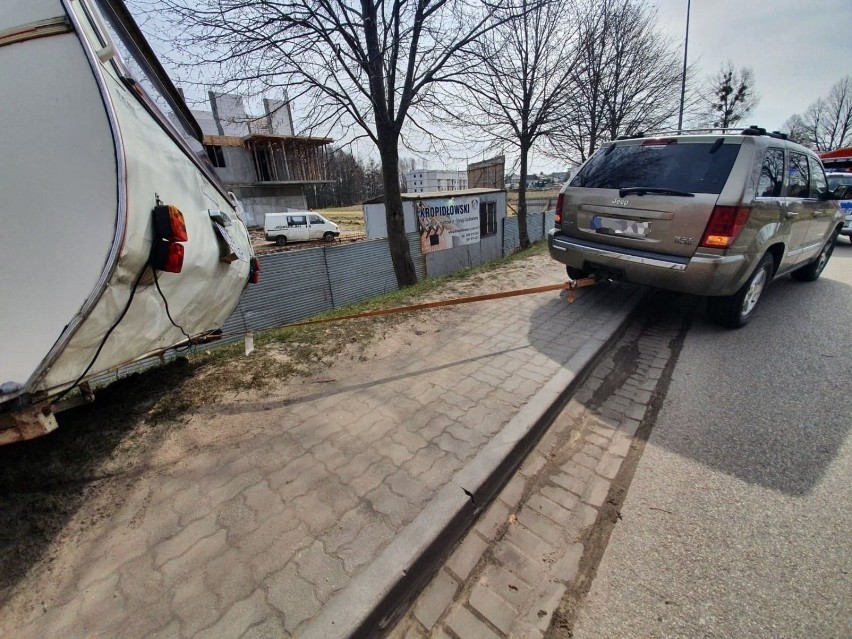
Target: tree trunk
column 403, row 265
column 523, row 234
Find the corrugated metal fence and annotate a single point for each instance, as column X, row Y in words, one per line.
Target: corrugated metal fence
column 296, row 285
column 537, row 227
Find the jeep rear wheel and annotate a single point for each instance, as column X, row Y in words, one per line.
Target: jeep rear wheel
column 281, row 240
column 735, row 311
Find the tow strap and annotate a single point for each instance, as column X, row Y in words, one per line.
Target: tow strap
column 570, row 286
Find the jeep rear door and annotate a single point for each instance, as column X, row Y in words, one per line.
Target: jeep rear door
column 652, row 195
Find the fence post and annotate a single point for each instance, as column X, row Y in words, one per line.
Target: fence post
column 328, row 276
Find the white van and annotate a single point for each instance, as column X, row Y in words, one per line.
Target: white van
column 298, row 226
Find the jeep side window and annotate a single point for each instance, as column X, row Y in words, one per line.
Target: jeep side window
column 297, row 220
column 315, row 219
column 798, row 183
column 771, row 174
column 819, row 185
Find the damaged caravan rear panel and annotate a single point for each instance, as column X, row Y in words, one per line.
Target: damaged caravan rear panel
column 105, row 175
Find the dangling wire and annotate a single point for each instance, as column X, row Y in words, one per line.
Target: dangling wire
column 169, row 315
column 108, row 333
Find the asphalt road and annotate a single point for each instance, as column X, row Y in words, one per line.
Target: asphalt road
column 737, row 523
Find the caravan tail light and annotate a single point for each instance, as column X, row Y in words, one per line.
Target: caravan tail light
column 167, row 256
column 254, row 270
column 724, row 226
column 169, row 229
column 169, row 223
column 559, row 202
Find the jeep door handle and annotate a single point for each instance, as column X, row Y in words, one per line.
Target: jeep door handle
column 791, row 213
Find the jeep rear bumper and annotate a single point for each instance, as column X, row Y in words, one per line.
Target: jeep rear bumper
column 701, row 274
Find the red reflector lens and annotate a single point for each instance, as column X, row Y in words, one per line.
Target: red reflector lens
column 559, row 202
column 169, row 223
column 659, row 142
column 167, row 256
column 724, row 226
column 254, row 271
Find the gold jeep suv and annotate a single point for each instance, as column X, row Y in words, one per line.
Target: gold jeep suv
column 716, row 214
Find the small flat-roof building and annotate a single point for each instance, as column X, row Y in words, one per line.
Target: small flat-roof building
column 457, row 229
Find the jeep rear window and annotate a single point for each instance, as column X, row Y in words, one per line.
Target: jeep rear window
column 694, row 167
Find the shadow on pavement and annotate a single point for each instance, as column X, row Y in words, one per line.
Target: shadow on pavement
column 44, row 481
column 253, row 407
column 768, row 403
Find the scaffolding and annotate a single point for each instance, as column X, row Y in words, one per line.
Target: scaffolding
column 286, row 159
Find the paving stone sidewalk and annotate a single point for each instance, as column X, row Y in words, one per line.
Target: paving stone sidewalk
column 265, row 537
column 510, row 574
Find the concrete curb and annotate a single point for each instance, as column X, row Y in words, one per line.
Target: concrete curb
column 373, row 598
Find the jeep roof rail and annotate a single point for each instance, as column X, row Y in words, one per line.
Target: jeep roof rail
column 668, row 132
column 750, row 130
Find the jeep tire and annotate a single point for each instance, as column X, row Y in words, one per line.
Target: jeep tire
column 735, row 311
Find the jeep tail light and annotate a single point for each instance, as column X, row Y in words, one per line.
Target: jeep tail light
column 169, row 223
column 559, row 202
column 724, row 226
column 166, row 256
column 254, row 270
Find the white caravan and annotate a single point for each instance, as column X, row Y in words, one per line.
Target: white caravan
column 298, row 226
column 118, row 241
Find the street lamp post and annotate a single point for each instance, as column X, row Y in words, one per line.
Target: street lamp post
column 683, row 79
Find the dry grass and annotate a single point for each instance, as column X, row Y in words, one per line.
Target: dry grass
column 512, row 198
column 349, row 218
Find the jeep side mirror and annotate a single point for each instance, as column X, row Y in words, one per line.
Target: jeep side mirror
column 842, row 192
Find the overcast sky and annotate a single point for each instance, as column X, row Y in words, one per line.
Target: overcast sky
column 797, row 48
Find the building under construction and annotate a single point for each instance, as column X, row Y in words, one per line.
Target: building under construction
column 259, row 158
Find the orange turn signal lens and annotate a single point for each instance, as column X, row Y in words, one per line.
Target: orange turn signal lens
column 560, row 202
column 169, row 223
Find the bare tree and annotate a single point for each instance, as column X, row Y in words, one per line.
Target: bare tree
column 626, row 79
column 827, row 123
column 516, row 84
column 368, row 64
column 730, row 96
